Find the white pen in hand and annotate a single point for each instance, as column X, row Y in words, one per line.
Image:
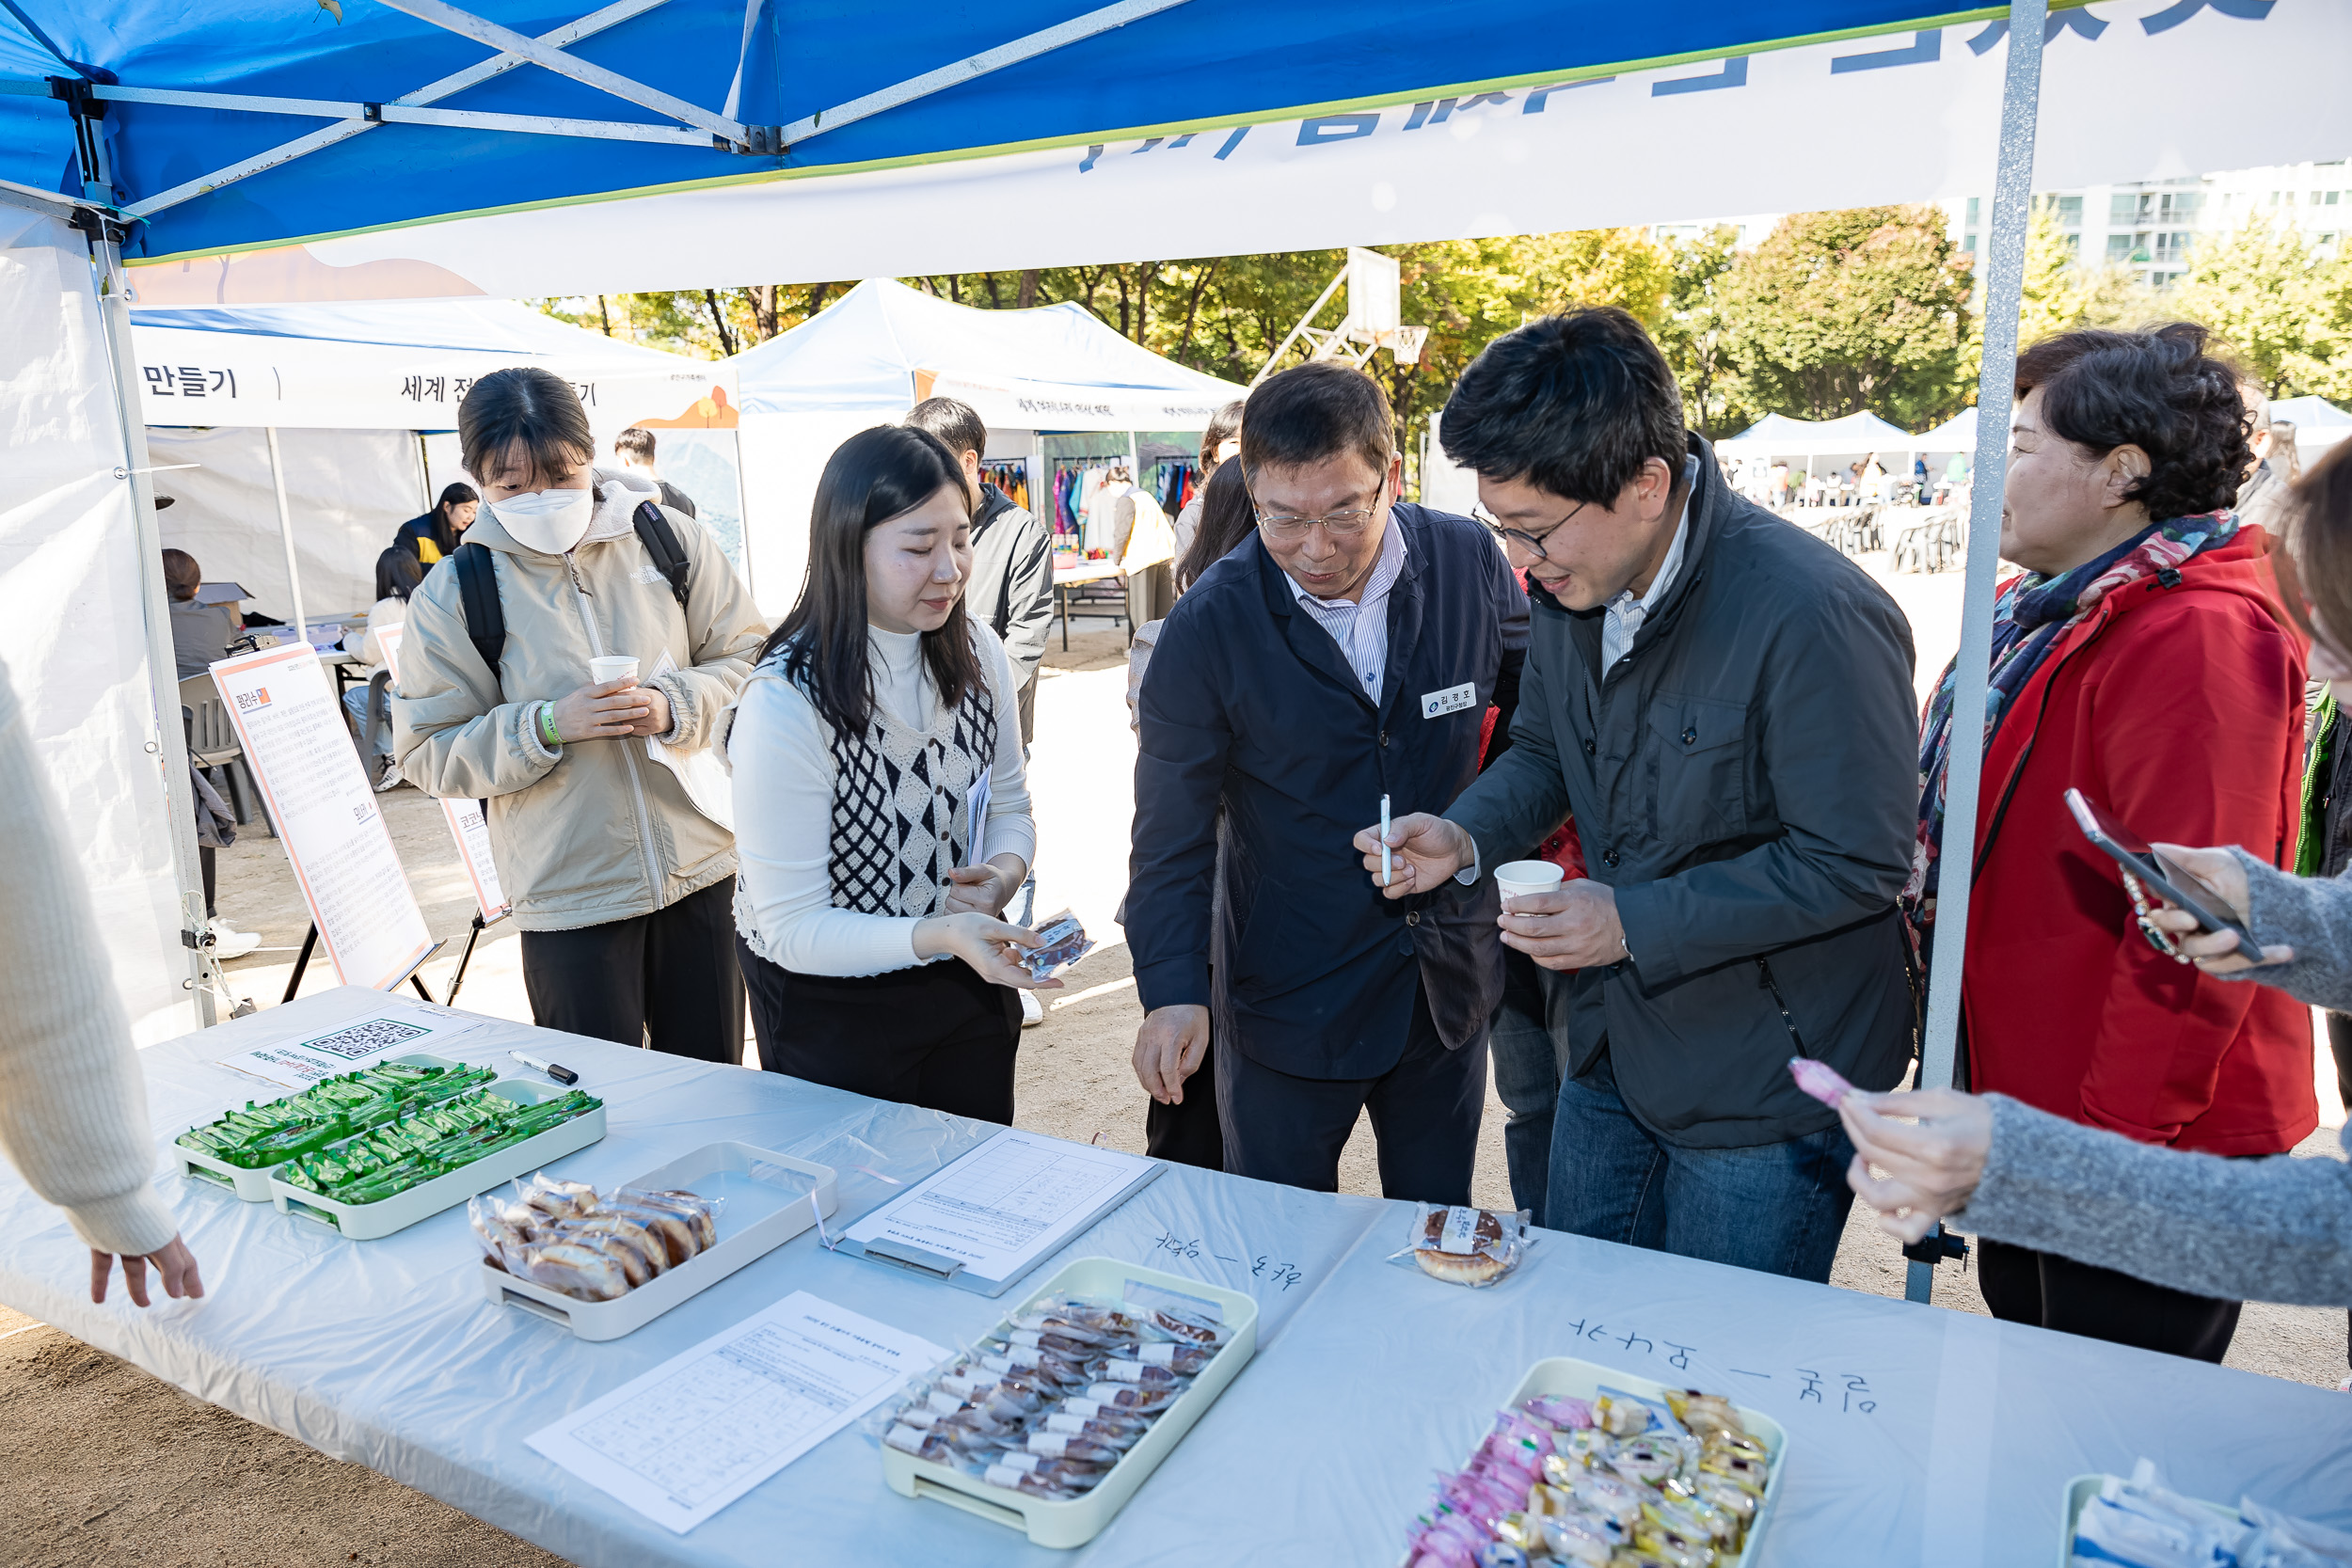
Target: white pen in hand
column 1384, row 841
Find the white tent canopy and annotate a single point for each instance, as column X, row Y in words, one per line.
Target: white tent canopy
column 2319, row 424
column 363, row 395
column 883, row 347
column 1778, row 436
column 1957, row 434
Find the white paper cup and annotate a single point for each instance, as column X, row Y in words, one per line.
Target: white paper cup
column 611, row 668
column 1518, row 878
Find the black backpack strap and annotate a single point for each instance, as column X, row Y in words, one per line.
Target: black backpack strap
column 478, row 598
column 660, row 542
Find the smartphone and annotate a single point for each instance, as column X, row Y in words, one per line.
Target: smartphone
column 2132, row 854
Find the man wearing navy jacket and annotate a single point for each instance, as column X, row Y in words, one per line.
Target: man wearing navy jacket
column 1347, row 652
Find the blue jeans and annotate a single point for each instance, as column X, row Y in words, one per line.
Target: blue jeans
column 379, row 736
column 1779, row 1208
column 1527, row 1079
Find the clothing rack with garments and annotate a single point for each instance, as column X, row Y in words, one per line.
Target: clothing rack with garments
column 1011, row 475
column 1174, row 481
column 1074, row 482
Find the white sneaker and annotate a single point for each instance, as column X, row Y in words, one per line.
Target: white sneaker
column 1032, row 1010
column 389, row 781
column 229, row 942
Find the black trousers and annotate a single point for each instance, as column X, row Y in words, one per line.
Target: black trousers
column 2023, row 1286
column 1425, row 1113
column 1189, row 1134
column 668, row 976
column 938, row 1035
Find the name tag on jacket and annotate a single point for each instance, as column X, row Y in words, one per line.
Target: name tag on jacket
column 1453, row 699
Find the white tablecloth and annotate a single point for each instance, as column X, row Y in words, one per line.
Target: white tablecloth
column 1919, row 1436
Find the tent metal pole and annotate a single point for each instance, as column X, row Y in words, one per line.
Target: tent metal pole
column 285, row 533
column 2012, row 196
column 166, row 742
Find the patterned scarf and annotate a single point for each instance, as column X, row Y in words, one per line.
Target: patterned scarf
column 2030, row 618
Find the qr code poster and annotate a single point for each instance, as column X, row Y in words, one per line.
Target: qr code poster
column 368, row 1038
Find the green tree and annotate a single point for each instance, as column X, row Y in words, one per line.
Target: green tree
column 1694, row 339
column 1861, row 309
column 2273, row 300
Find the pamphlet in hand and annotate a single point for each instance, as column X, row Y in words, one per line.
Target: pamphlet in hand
column 1065, row 942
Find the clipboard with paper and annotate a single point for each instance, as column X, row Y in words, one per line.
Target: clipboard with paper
column 699, row 772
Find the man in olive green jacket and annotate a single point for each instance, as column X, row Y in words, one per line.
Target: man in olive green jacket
column 622, row 887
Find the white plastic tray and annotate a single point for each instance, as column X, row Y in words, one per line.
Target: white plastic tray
column 768, row 1197
column 253, row 1184
column 365, row 1222
column 1075, row 1523
column 1584, row 1380
column 2078, row 1495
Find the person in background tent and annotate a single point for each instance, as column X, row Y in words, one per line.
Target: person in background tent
column 2144, row 658
column 201, row 634
column 72, row 1102
column 1743, row 793
column 1139, row 532
column 635, row 447
column 1918, row 479
column 623, row 889
column 397, row 574
column 1186, row 1129
column 431, row 537
column 1348, row 650
column 1219, row 444
column 1011, row 590
column 880, row 717
column 1955, row 480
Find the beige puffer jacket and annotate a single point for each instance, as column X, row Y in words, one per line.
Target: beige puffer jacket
column 595, row 830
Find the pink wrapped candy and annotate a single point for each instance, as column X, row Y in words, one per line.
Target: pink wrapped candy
column 1820, row 1080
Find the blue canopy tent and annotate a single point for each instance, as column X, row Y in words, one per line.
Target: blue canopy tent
column 195, row 116
column 261, row 150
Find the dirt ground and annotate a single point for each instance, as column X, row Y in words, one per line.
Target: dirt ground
column 112, row 1465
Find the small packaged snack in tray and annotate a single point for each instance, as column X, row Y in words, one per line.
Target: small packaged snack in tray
column 1064, row 941
column 1463, row 1245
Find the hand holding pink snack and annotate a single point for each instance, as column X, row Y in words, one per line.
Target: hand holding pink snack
column 1820, row 1080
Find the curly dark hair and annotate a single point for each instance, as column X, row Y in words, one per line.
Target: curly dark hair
column 2162, row 389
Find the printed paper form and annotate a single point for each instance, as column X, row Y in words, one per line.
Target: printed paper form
column 699, row 1430
column 1006, row 1204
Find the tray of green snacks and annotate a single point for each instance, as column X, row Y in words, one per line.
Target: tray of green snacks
column 239, row 1149
column 427, row 1158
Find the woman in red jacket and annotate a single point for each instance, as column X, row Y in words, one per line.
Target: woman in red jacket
column 2141, row 658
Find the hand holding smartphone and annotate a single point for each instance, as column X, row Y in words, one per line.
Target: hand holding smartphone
column 2133, row 854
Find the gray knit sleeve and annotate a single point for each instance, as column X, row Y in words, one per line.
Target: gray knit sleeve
column 2311, row 914
column 2272, row 1229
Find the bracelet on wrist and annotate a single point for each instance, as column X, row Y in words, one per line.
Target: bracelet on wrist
column 548, row 730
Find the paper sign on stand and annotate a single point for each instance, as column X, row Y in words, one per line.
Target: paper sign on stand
column 699, row 1430
column 291, row 730
column 466, row 825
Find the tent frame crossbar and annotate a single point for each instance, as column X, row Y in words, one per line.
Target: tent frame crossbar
column 2012, row 193
column 698, row 127
column 473, row 75
column 1045, row 41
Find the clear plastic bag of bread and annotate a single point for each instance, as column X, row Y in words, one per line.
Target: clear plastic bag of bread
column 1464, row 1245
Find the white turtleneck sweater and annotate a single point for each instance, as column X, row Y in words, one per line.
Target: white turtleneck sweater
column 781, row 753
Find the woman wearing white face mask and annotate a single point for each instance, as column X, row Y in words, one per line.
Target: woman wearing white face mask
column 622, row 887
column 880, row 723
